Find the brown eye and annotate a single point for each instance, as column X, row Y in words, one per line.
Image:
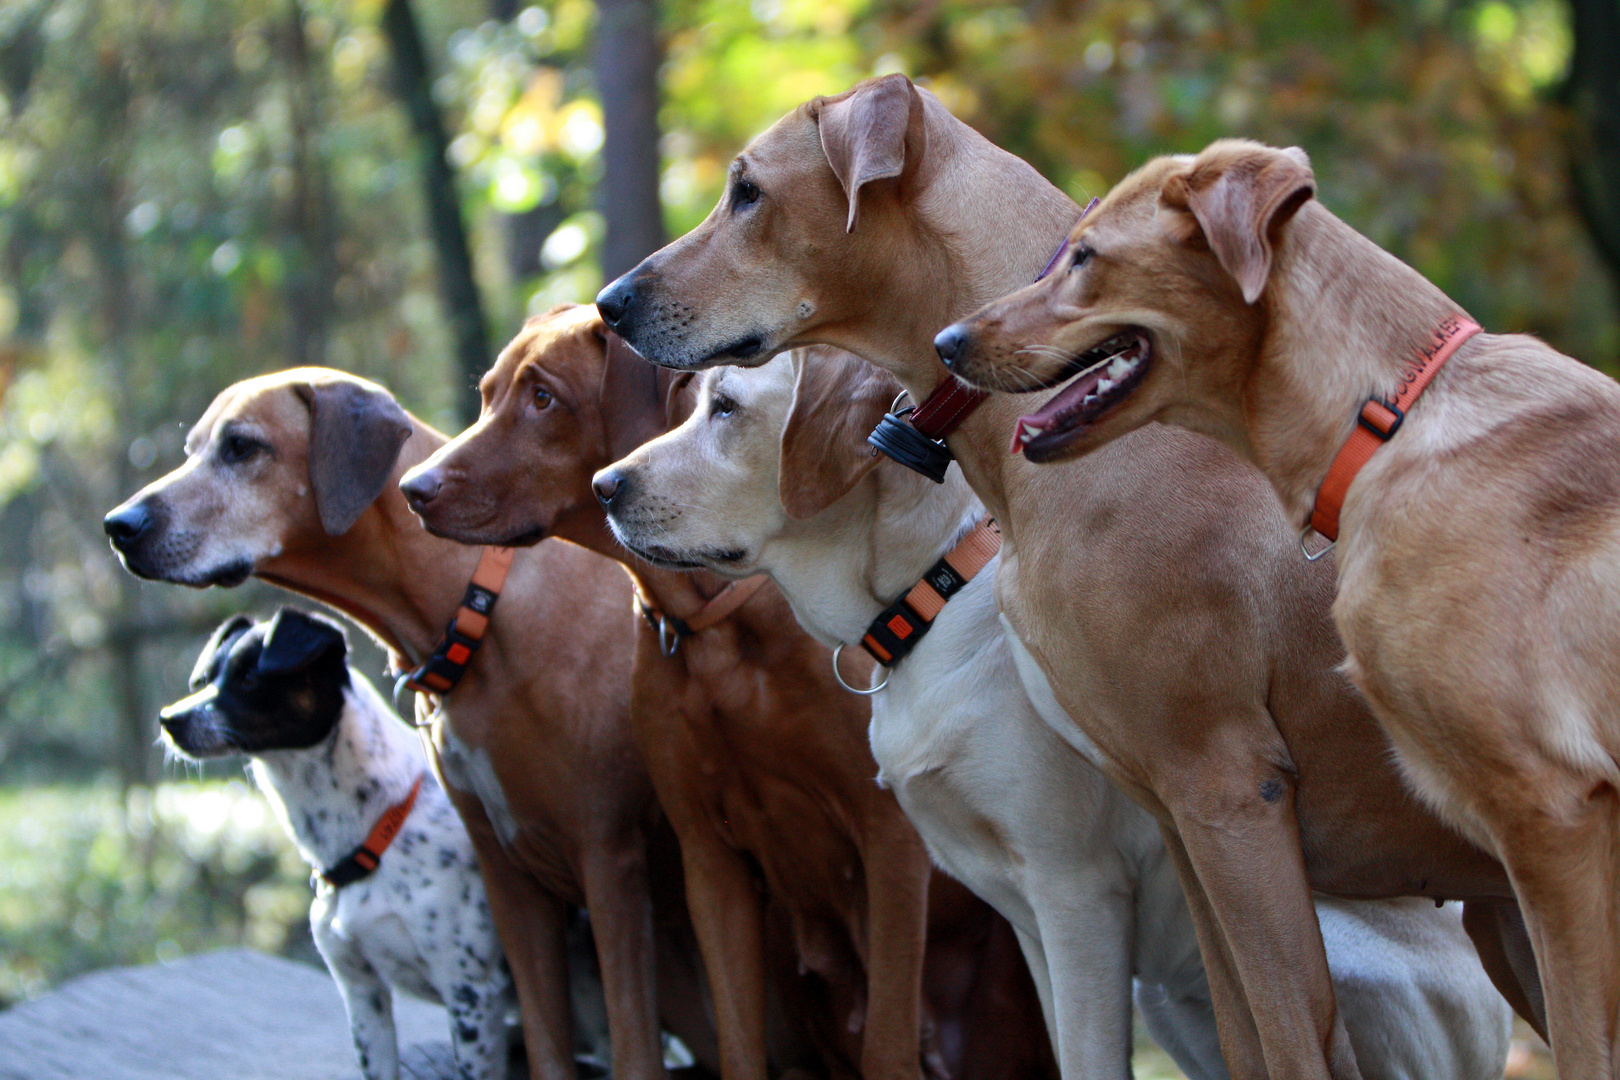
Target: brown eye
column 542, row 397
column 743, row 195
column 1081, row 254
column 721, row 405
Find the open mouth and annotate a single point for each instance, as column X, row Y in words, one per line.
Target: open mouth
column 1108, row 373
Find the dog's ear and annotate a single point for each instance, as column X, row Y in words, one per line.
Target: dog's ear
column 838, row 399
column 295, row 640
column 355, row 432
column 633, row 408
column 1240, row 196
column 210, row 659
column 874, row 132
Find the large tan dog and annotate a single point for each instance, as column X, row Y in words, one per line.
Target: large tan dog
column 758, row 757
column 1479, row 551
column 1077, row 868
column 291, row 478
column 1155, row 593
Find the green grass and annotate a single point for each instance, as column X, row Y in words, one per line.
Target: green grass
column 90, row 880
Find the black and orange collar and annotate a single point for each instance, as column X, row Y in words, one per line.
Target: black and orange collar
column 440, row 672
column 363, row 860
column 895, row 632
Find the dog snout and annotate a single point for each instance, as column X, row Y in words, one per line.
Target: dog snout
column 126, row 524
column 615, row 300
column 422, row 488
column 608, row 485
column 951, row 343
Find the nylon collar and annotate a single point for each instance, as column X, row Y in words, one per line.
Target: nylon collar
column 440, row 672
column 896, row 631
column 1378, row 422
column 364, row 860
column 672, row 628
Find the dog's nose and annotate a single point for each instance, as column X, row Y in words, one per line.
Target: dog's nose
column 421, row 489
column 949, row 343
column 606, row 485
column 126, row 523
column 614, row 300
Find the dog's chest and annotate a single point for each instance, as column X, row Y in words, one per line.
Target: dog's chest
column 470, row 768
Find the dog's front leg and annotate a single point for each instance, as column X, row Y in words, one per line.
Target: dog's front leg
column 366, row 998
column 1244, row 851
column 618, row 898
column 1086, row 927
column 478, row 1024
column 897, row 870
column 729, row 919
column 530, row 922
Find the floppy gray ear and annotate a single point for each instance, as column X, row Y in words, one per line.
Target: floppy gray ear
column 874, row 132
column 838, row 399
column 355, row 432
column 208, row 660
column 1241, row 195
column 296, row 640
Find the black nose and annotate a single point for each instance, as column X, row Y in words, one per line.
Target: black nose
column 615, row 300
column 421, row 489
column 950, row 342
column 607, row 484
column 125, row 524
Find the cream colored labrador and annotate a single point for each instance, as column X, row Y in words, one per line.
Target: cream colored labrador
column 1002, row 801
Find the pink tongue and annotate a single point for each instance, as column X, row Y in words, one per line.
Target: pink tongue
column 1035, row 423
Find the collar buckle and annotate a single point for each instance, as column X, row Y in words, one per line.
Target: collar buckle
column 1381, row 418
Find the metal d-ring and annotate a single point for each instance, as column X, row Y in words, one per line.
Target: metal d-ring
column 898, row 398
column 1303, row 533
column 887, row 674
column 669, row 638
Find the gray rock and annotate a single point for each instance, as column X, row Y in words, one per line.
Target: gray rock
column 232, row 1015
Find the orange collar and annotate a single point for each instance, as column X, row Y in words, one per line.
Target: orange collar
column 1379, row 421
column 440, row 673
column 364, row 859
column 896, row 631
column 671, row 629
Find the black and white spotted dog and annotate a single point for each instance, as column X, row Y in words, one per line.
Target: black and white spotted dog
column 334, row 761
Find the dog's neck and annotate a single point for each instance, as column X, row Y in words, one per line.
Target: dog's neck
column 387, row 572
column 1344, row 320
column 329, row 796
column 842, row 567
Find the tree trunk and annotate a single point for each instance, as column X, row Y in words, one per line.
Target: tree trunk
column 458, row 289
column 1593, row 94
column 310, row 231
column 627, row 55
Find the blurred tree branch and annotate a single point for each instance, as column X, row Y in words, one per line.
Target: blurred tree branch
column 1593, row 94
column 626, row 59
column 458, row 288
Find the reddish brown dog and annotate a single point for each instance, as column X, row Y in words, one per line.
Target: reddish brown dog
column 1155, row 588
column 757, row 755
column 293, row 478
column 1479, row 583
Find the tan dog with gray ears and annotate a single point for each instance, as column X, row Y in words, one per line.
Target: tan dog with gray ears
column 1479, row 552
column 292, row 477
column 757, row 756
column 1155, row 592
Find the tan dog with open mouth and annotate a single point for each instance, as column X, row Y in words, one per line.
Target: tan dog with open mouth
column 1479, row 553
column 292, row 478
column 1155, row 592
column 758, row 757
column 1002, row 802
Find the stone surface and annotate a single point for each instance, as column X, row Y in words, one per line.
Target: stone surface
column 231, row 1015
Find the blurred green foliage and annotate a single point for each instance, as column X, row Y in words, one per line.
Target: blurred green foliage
column 91, row 879
column 194, row 191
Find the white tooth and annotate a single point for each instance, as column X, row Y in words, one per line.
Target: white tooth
column 1088, row 399
column 1105, row 385
column 1031, row 431
column 1121, row 367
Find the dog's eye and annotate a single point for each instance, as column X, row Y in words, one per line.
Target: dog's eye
column 235, row 448
column 542, row 397
column 1081, row 254
column 743, row 195
column 720, row 405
